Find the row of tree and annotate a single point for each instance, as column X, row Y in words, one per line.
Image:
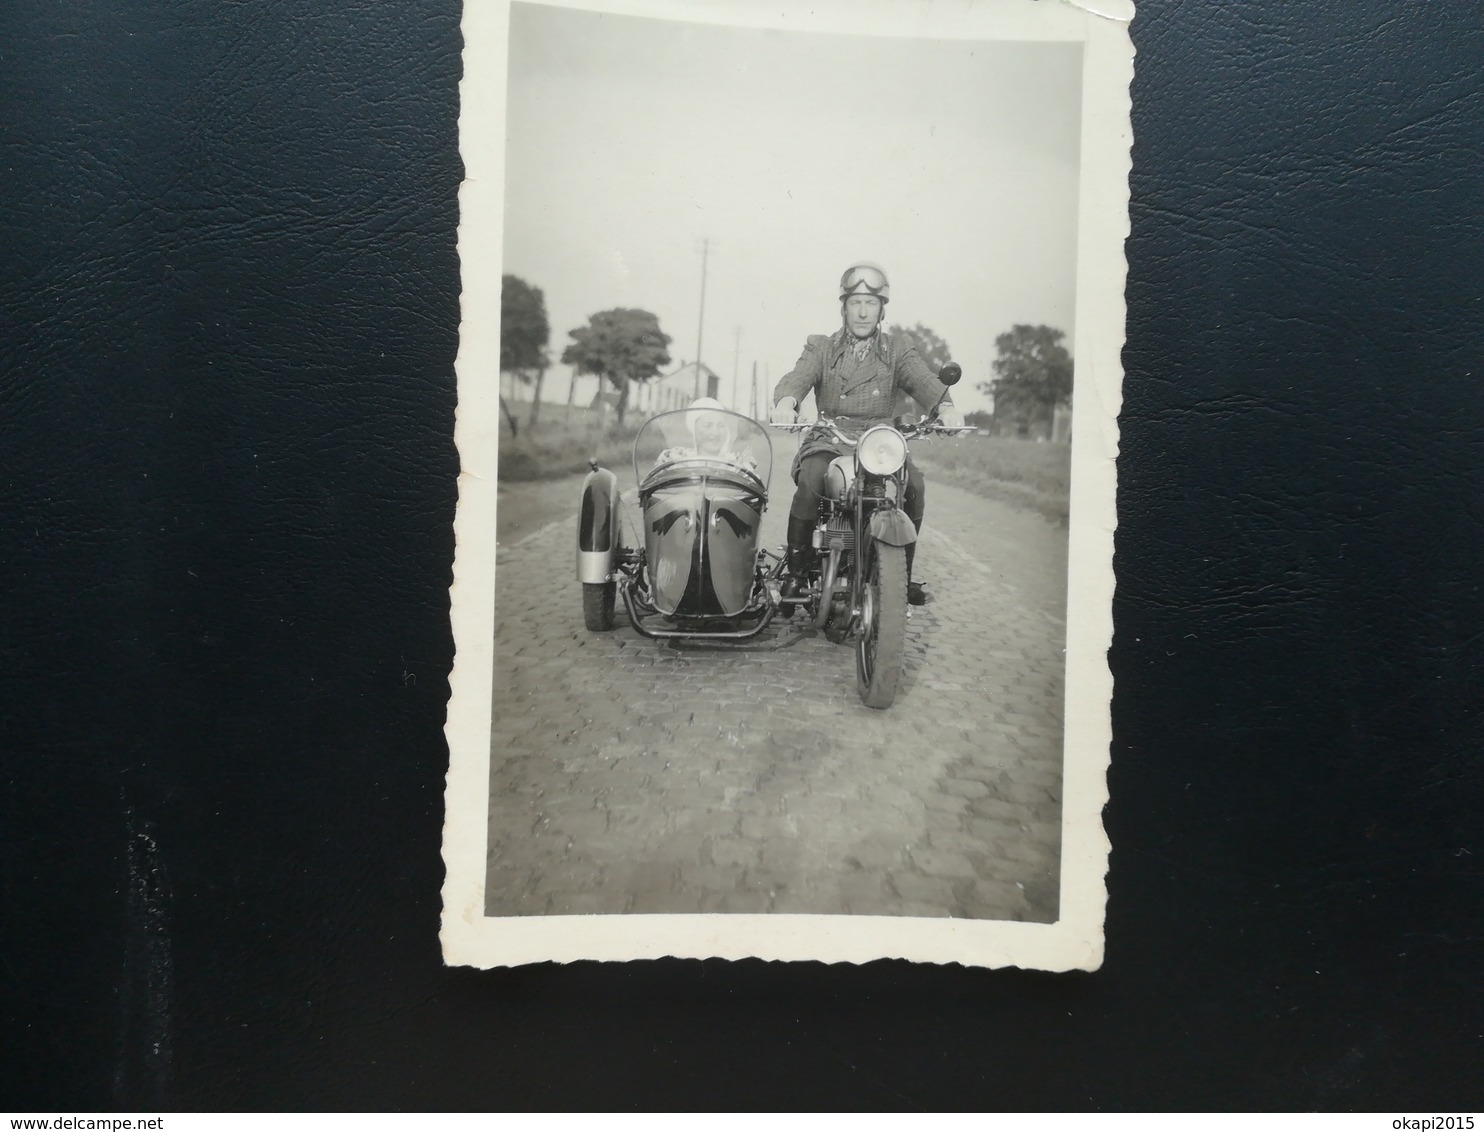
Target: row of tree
column 1033, row 370
column 622, row 346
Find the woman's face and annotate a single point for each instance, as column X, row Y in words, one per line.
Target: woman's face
column 711, row 434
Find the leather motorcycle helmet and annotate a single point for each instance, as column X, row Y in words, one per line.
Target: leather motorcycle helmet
column 700, row 405
column 703, row 406
column 865, row 278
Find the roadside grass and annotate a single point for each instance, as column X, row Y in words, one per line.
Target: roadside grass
column 1022, row 473
column 561, row 444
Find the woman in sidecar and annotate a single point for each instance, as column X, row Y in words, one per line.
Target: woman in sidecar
column 702, row 475
column 713, row 436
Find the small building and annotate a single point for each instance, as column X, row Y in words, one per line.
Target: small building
column 677, row 389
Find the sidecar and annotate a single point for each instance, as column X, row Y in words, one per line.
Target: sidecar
column 693, row 567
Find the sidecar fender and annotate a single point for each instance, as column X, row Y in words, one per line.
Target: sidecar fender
column 597, row 527
column 892, row 527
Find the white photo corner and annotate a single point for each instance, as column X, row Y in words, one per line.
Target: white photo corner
column 788, row 384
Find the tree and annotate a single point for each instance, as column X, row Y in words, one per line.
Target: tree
column 622, row 345
column 1034, row 375
column 934, row 351
column 524, row 333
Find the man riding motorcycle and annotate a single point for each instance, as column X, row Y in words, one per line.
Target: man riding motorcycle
column 855, row 374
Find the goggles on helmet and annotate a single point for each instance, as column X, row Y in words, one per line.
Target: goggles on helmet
column 865, row 279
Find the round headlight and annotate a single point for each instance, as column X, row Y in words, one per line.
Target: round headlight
column 882, row 451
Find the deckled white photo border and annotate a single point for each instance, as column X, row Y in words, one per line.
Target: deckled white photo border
column 1075, row 940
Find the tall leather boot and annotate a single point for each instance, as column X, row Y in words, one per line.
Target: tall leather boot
column 800, row 532
column 795, row 560
column 916, row 593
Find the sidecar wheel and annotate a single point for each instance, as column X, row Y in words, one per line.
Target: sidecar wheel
column 882, row 645
column 597, row 605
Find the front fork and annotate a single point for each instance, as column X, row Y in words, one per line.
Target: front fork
column 884, row 521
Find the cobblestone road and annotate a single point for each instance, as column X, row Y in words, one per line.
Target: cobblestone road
column 630, row 775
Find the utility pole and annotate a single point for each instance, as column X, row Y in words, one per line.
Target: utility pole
column 753, row 411
column 736, row 361
column 701, row 323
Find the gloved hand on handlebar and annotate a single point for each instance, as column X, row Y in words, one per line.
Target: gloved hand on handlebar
column 949, row 416
column 786, row 411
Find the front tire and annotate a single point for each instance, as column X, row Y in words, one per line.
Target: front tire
column 597, row 605
column 882, row 646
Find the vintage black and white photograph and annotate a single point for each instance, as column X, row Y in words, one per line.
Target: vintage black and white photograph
column 787, row 414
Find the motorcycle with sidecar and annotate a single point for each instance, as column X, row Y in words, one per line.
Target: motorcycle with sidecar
column 694, row 569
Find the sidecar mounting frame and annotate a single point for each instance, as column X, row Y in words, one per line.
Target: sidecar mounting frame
column 639, row 610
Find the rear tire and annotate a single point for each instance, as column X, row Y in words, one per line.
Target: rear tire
column 882, row 646
column 597, row 605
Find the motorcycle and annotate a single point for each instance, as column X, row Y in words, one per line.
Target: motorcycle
column 700, row 573
column 856, row 584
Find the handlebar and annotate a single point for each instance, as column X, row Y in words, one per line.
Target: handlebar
column 918, row 428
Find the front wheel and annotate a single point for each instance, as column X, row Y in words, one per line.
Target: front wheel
column 597, row 605
column 882, row 644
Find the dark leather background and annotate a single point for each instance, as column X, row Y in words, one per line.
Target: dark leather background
column 230, row 318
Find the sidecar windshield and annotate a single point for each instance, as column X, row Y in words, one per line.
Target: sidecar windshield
column 711, row 440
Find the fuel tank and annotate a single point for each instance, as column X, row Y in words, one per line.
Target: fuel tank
column 837, row 478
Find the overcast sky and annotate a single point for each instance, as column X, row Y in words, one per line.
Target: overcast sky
column 629, row 141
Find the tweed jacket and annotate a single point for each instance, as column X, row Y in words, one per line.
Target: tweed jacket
column 861, row 392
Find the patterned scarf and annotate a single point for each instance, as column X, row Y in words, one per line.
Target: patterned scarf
column 864, row 346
